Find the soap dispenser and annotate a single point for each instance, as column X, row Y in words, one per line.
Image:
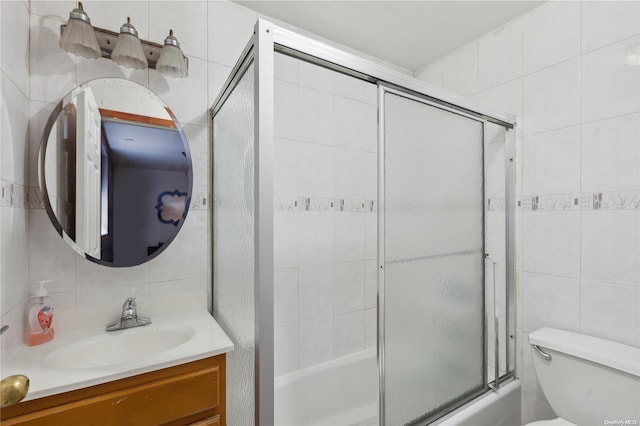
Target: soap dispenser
column 40, row 317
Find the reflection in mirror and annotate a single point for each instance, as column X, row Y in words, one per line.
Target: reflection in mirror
column 115, row 172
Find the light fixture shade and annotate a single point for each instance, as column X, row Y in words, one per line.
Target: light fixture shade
column 78, row 37
column 172, row 62
column 128, row 49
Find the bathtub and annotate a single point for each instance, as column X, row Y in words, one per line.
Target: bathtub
column 344, row 392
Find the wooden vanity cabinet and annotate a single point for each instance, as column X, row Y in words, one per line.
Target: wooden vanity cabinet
column 187, row 394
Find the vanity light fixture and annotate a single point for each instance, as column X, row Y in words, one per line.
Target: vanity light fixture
column 128, row 50
column 78, row 37
column 172, row 60
column 125, row 48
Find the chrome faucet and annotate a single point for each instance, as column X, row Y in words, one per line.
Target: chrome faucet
column 129, row 317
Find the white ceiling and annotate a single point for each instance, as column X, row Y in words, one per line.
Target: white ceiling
column 409, row 34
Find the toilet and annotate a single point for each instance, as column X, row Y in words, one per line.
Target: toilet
column 588, row 381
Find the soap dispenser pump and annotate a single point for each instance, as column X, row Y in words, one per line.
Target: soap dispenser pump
column 40, row 316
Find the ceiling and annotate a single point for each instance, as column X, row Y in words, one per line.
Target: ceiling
column 409, row 34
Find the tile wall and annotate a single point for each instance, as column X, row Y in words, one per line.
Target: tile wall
column 570, row 72
column 325, row 218
column 36, row 74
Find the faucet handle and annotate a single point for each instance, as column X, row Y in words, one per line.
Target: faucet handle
column 129, row 303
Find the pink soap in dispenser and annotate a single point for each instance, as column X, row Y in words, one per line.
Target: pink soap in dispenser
column 40, row 317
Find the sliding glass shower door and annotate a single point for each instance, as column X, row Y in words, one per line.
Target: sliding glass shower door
column 431, row 256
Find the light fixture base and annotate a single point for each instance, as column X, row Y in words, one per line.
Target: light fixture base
column 107, row 41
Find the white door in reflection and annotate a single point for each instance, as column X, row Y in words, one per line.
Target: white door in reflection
column 88, row 174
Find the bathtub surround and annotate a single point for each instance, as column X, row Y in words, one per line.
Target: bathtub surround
column 325, row 218
column 564, row 70
column 36, row 74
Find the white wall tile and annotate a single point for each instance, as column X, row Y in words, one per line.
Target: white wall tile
column 611, row 312
column 187, row 97
column 316, row 244
column 550, row 301
column 48, row 62
column 316, row 342
column 14, row 256
column 347, row 86
column 230, row 27
column 39, row 114
column 14, row 151
column 15, row 43
column 432, row 73
column 370, row 328
column 315, row 170
column 370, row 176
column 111, row 15
column 609, row 85
column 605, row 22
column 349, row 237
column 315, row 77
column 348, row 118
column 50, row 258
column 189, row 285
column 611, row 145
column 370, row 96
column 186, row 256
column 92, row 275
column 370, row 128
column 552, row 98
column 285, row 68
column 348, row 287
column 285, row 350
column 217, row 76
column 285, row 110
column 506, row 97
column 551, row 243
column 611, row 246
column 90, row 69
column 348, row 176
column 552, row 162
column 370, row 235
column 315, row 115
column 551, row 34
column 99, row 296
column 286, row 167
column 56, row 9
column 370, row 283
column 316, row 292
column 285, row 239
column 349, row 333
column 285, row 287
column 500, row 56
column 461, row 70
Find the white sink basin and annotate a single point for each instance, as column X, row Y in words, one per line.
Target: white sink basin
column 118, row 347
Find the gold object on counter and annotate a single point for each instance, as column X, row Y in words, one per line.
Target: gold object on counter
column 13, row 389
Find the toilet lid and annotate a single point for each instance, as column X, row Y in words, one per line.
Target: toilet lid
column 555, row 422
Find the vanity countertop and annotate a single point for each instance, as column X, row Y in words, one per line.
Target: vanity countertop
column 181, row 328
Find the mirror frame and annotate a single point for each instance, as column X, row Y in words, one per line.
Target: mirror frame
column 44, row 141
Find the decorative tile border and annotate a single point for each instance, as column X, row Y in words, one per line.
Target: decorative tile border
column 613, row 200
column 319, row 204
column 13, row 195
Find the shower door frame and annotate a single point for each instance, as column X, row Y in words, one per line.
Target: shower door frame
column 267, row 40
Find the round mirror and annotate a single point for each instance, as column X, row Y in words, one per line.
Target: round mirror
column 115, row 172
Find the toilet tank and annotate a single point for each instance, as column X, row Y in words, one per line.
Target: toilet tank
column 588, row 381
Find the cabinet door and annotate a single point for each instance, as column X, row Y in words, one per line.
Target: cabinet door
column 164, row 401
column 211, row 421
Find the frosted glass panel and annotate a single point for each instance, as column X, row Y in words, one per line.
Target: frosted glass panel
column 434, row 268
column 233, row 239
